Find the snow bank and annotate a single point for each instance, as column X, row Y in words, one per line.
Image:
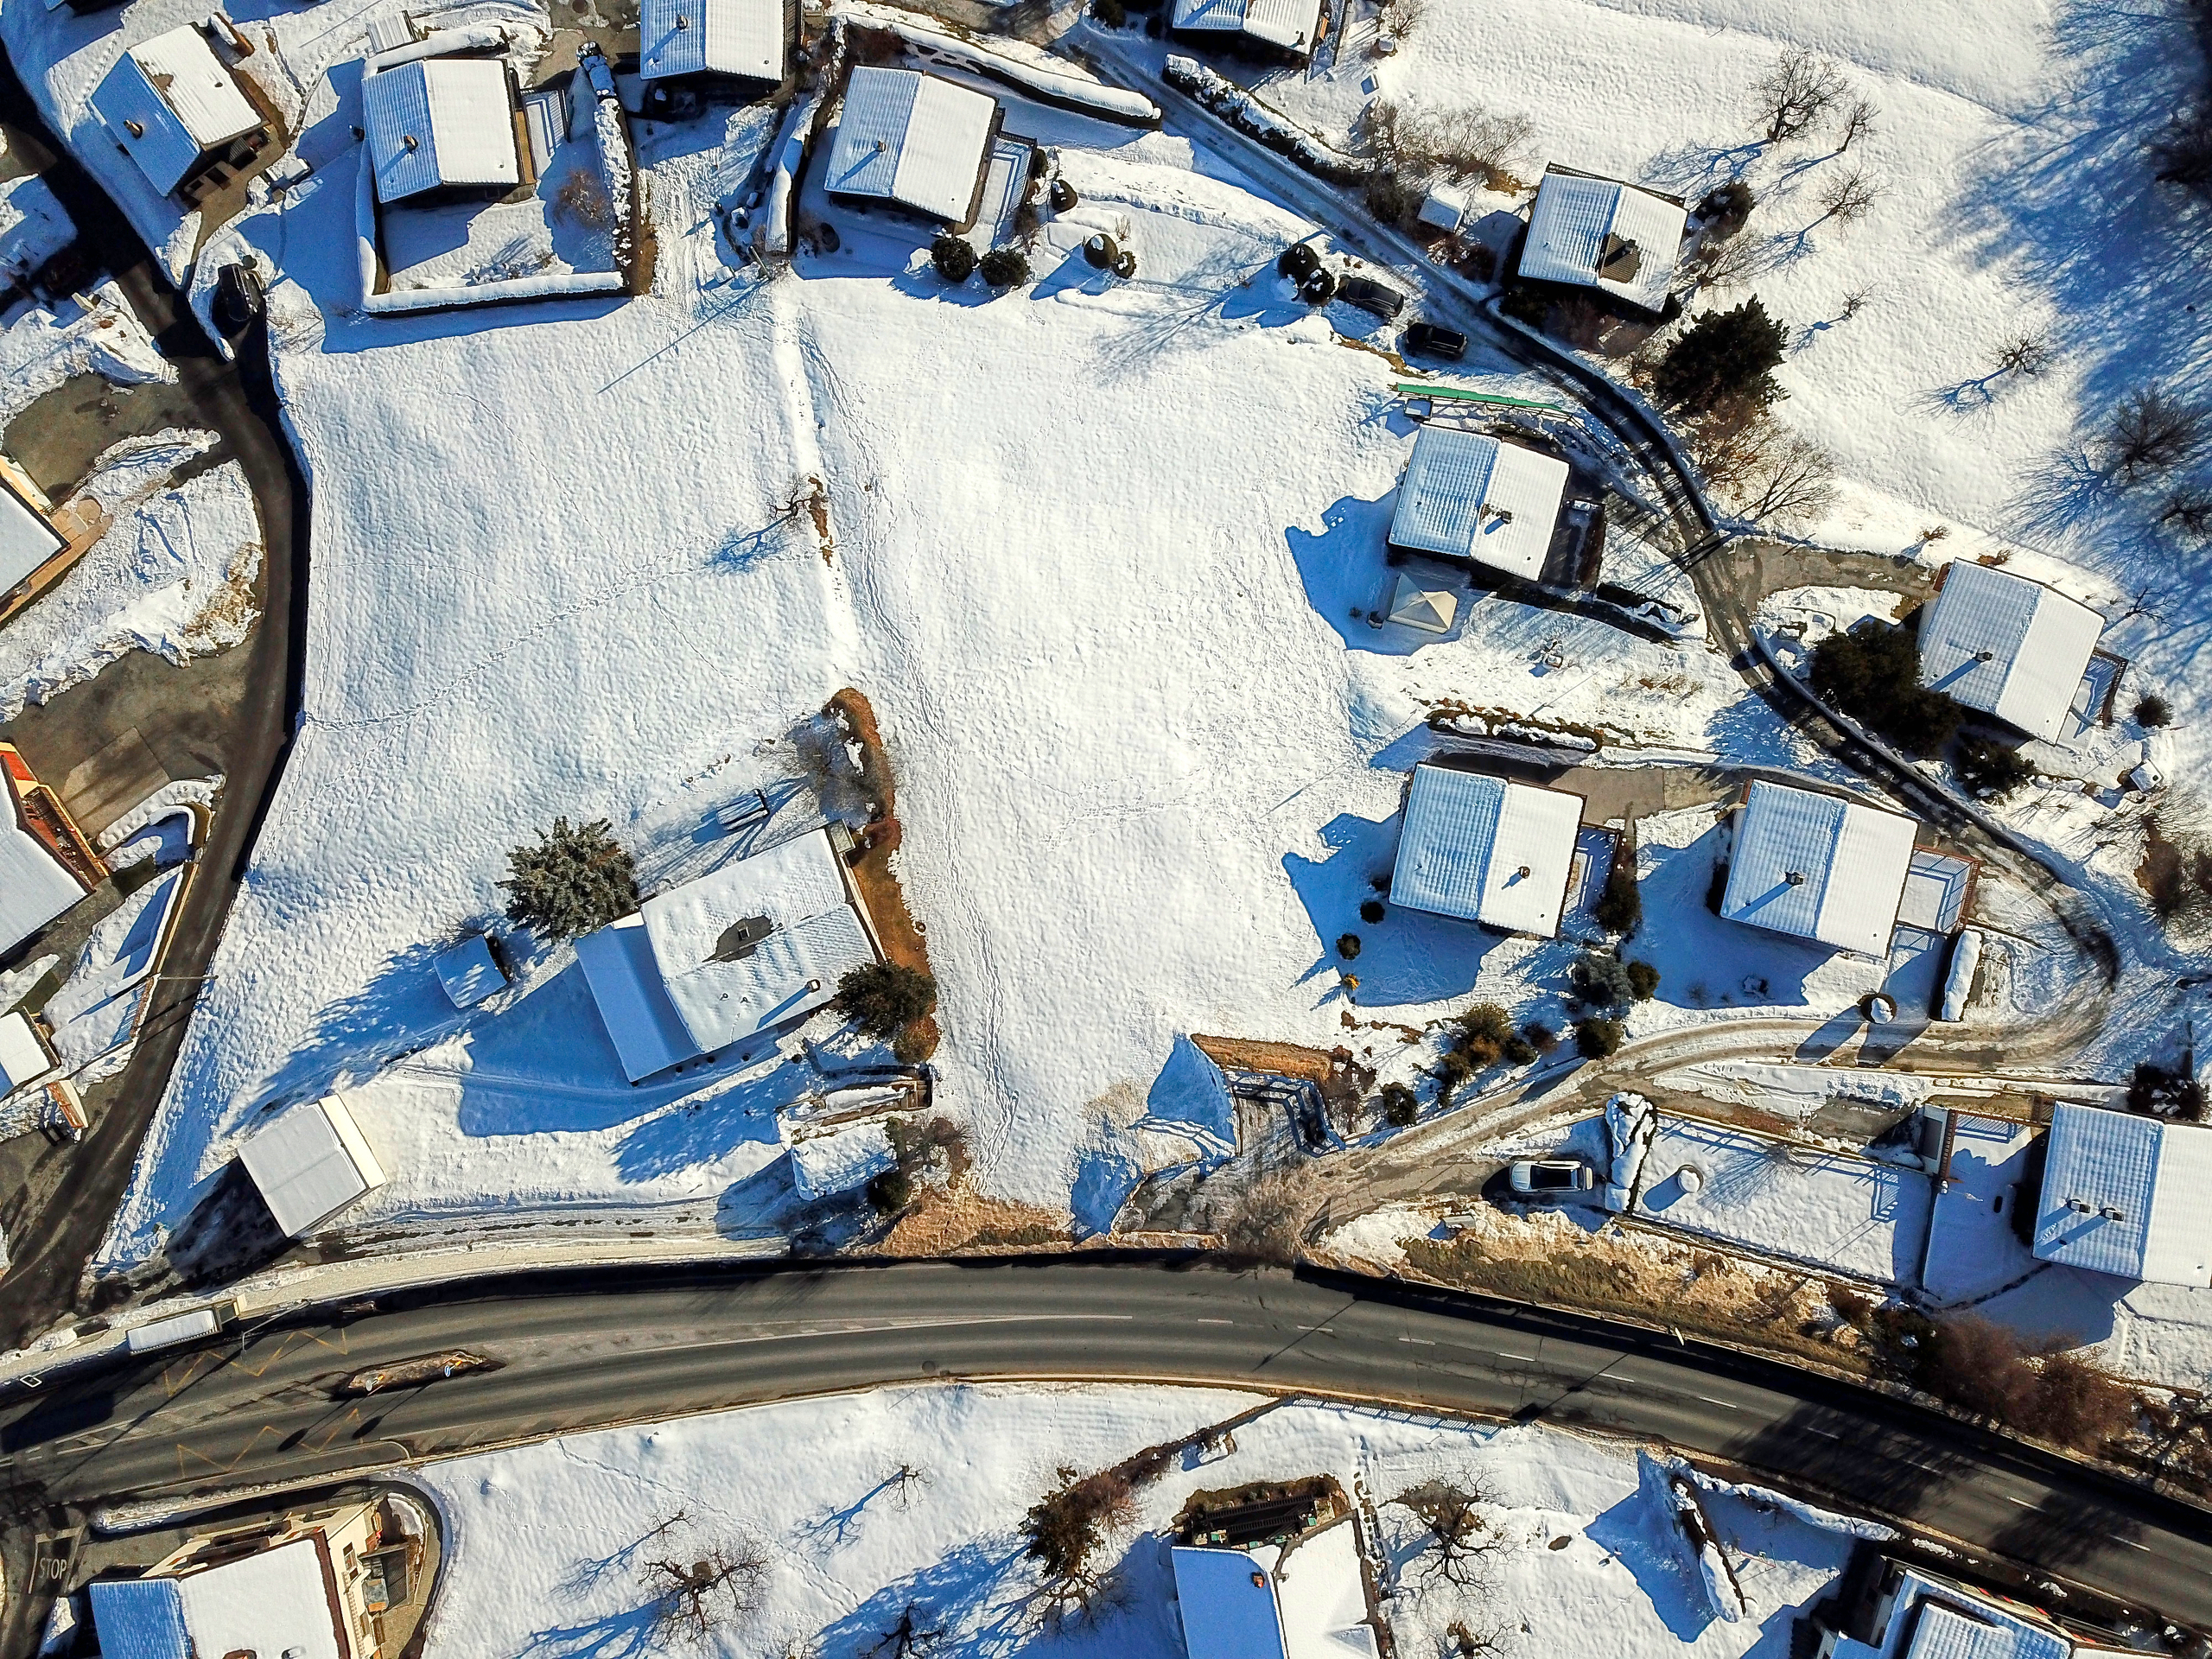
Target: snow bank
column 1241, row 110
column 41, row 350
column 1629, row 1123
column 1040, row 74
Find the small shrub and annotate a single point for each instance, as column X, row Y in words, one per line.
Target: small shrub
column 1620, row 907
column 1723, row 355
column 880, row 997
column 1872, row 674
column 2153, row 710
column 891, row 1192
column 1527, row 306
column 1371, row 911
column 1975, row 1364
column 1599, row 981
column 1348, row 946
column 1004, row 268
column 1519, row 1051
column 1391, row 200
column 1065, row 1528
column 574, row 880
column 1853, row 1307
column 911, row 1045
column 1539, row 1036
column 1486, row 1022
column 1453, row 1069
column 2165, row 1092
column 1642, row 980
column 1111, row 13
column 1726, row 209
column 954, row 257
column 1401, row 1106
column 1989, row 770
column 1597, row 1040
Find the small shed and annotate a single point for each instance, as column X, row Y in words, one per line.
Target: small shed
column 1475, row 500
column 2124, row 1194
column 175, row 108
column 1602, row 234
column 441, row 128
column 1288, row 27
column 1818, row 867
column 1444, row 207
column 833, row 1157
column 2005, row 646
column 914, row 140
column 310, row 1163
column 1431, row 610
column 25, row 1056
column 704, row 41
column 469, row 971
column 27, row 536
column 1485, row 849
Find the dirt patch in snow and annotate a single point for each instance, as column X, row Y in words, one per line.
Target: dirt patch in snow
column 968, row 1223
column 874, row 862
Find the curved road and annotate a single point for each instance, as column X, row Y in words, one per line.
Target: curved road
column 583, row 1351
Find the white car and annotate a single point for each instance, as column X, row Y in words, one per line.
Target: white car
column 1534, row 1177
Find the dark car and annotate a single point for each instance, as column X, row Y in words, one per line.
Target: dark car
column 1430, row 340
column 237, row 297
column 1369, row 295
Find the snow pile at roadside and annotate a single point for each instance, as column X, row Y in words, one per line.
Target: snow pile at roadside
column 33, row 225
column 41, row 349
column 95, row 1015
column 174, row 573
column 866, row 1507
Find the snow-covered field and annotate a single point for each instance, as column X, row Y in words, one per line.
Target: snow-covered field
column 1590, row 1559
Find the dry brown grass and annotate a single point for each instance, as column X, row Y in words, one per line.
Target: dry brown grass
column 871, row 866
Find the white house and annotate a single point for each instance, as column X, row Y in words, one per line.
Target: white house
column 1265, row 1602
column 1486, row 850
column 1290, row 26
column 1472, row 500
column 1601, row 233
column 1914, row 1614
column 175, row 108
column 45, row 865
column 702, row 967
column 1818, row 867
column 913, row 140
column 2006, row 647
column 2126, row 1195
column 310, row 1163
column 442, row 127
column 739, row 40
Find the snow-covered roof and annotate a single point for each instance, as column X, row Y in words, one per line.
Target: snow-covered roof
column 36, row 886
column 1443, row 207
column 272, row 1603
column 439, row 121
column 1288, row 23
column 27, row 540
column 1936, row 1619
column 469, row 971
column 1467, row 496
column 1307, row 1603
column 838, row 1157
column 1321, row 1595
column 2124, row 1195
column 170, row 99
column 23, row 1057
column 678, row 980
column 1819, row 866
column 2008, row 647
column 1486, row 850
column 911, row 138
column 718, row 37
column 1602, row 234
column 1228, row 1606
column 310, row 1163
column 1429, row 609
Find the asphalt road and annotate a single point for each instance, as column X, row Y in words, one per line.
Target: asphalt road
column 586, row 1351
column 52, row 1244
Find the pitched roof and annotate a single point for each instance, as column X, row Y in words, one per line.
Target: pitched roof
column 2008, row 647
column 1819, row 866
column 23, row 1055
column 911, row 138
column 2124, row 1194
column 36, row 886
column 1430, row 609
column 1290, row 24
column 1569, row 226
column 439, row 121
column 1228, row 1606
column 1468, row 496
column 721, row 37
column 310, row 1163
column 167, row 100
column 27, row 539
column 1486, row 850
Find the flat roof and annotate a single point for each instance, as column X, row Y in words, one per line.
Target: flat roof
column 837, row 1157
column 169, row 100
column 36, row 886
column 1467, row 496
column 1290, row 24
column 2008, row 647
column 911, row 138
column 1819, row 866
column 310, row 1162
column 1573, row 227
column 27, row 539
column 718, row 37
column 23, row 1058
column 2124, row 1194
column 439, row 121
column 1485, row 850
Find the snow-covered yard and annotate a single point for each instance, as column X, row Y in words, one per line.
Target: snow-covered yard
column 1591, row 1560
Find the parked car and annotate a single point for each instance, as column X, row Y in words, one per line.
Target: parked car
column 1542, row 1177
column 1430, row 340
column 237, row 297
column 1368, row 295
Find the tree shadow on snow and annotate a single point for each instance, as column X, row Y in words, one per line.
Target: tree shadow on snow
column 1410, row 955
column 401, row 1008
column 1628, row 1530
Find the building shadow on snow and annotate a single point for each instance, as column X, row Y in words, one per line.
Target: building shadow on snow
column 1410, row 955
column 699, row 1132
column 404, row 1008
column 1349, row 582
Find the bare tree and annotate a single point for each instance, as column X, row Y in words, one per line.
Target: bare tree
column 1488, row 1634
column 1857, row 122
column 2152, row 432
column 1791, row 100
column 2024, row 354
column 1792, row 482
column 1067, row 1528
column 1467, row 143
column 1855, row 302
column 906, row 1638
column 2188, row 511
column 1847, row 196
column 1401, row 17
column 1261, row 1223
column 1731, row 263
column 1464, row 1539
column 902, row 1480
column 690, row 1600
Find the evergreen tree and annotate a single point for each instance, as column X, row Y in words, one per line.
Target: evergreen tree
column 882, row 997
column 1722, row 356
column 573, row 880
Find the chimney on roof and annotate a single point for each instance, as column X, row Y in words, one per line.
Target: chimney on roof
column 1522, row 872
column 408, row 139
column 1618, row 258
column 2113, row 1212
column 1795, row 878
column 137, row 131
column 1985, row 655
column 740, row 939
column 681, row 21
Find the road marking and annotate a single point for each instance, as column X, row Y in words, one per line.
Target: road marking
column 856, row 1329
column 1725, row 1405
column 2021, row 1501
column 2130, row 1543
column 1525, row 1359
column 1124, row 1316
column 1824, row 1433
column 1418, row 1342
